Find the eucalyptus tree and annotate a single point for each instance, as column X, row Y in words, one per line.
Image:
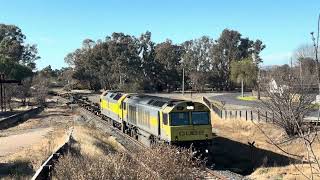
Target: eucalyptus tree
column 229, row 47
column 197, row 61
column 13, row 47
column 169, row 57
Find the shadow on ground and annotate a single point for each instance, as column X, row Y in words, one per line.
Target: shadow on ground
column 52, row 114
column 243, row 158
column 16, row 169
column 8, row 113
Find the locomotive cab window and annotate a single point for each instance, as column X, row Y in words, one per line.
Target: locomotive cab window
column 123, row 105
column 179, row 118
column 200, row 118
column 165, row 119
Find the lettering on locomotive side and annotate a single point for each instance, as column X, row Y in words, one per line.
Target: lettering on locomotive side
column 191, row 133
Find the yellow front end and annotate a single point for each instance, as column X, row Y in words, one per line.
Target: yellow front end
column 190, row 133
column 187, row 122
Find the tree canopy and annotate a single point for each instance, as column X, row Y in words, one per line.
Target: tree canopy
column 244, row 70
column 130, row 63
column 14, row 49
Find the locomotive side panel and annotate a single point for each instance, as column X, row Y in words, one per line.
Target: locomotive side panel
column 143, row 117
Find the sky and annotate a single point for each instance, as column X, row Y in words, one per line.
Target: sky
column 58, row 27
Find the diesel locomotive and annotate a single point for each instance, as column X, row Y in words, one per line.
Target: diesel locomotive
column 152, row 119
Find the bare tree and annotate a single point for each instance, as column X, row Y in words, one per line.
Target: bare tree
column 39, row 89
column 304, row 51
column 290, row 102
column 23, row 91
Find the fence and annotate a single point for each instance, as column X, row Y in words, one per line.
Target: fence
column 253, row 115
column 247, row 114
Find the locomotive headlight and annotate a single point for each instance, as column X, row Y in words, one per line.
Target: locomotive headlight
column 190, row 107
column 207, row 151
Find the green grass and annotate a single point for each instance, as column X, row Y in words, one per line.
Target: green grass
column 315, row 106
column 247, row 98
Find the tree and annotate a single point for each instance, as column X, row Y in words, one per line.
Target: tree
column 232, row 47
column 150, row 68
column 13, row 48
column 17, row 60
column 127, row 63
column 197, row 60
column 85, row 65
column 244, row 71
column 14, row 70
column 39, row 88
column 23, row 91
column 290, row 104
column 124, row 53
column 169, row 57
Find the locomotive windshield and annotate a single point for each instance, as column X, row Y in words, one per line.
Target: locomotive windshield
column 179, row 118
column 200, row 118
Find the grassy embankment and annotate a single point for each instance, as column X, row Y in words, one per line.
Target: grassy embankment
column 268, row 162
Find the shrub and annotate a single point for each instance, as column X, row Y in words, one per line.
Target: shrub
column 163, row 162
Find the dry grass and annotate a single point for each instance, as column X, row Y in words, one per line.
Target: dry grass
column 286, row 173
column 119, row 165
column 33, row 156
column 94, row 142
column 95, row 155
column 172, row 163
column 24, row 162
column 246, row 131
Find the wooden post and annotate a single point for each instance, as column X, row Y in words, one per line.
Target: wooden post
column 266, row 116
column 251, row 115
column 236, row 115
column 240, row 114
column 225, row 114
column 272, row 117
column 258, row 115
column 246, row 115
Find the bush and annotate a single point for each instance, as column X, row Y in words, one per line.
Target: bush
column 163, row 162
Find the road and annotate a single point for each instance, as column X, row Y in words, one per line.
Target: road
column 229, row 98
column 231, row 101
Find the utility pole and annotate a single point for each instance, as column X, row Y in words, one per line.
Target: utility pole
column 300, row 68
column 183, row 81
column 258, row 82
column 316, row 48
column 241, row 87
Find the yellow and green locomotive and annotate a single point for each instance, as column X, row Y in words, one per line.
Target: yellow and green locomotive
column 152, row 119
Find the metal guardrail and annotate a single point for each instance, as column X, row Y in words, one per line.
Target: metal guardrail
column 44, row 172
column 214, row 106
column 20, row 117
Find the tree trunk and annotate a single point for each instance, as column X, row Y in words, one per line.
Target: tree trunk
column 258, row 91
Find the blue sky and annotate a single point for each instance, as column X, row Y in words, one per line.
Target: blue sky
column 58, row 27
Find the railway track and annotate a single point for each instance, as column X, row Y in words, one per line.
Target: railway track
column 132, row 145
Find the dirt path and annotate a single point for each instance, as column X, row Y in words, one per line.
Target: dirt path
column 14, row 143
column 24, row 147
